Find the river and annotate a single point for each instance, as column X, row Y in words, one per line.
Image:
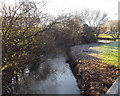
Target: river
column 58, row 80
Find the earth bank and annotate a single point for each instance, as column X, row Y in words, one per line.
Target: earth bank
column 93, row 76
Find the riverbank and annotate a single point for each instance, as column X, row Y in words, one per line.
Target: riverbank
column 94, row 77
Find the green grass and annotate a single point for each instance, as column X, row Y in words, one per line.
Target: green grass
column 110, row 53
column 105, row 36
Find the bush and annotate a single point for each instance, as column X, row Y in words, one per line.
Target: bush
column 87, row 35
column 20, row 25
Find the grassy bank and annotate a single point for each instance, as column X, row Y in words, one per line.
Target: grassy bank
column 110, row 53
column 95, row 77
column 105, row 36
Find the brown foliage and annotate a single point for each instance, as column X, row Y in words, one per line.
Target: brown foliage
column 95, row 76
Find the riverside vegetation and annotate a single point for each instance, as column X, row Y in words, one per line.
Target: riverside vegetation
column 28, row 33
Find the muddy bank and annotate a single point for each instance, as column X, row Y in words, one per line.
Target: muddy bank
column 93, row 76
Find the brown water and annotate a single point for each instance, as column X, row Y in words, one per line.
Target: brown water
column 60, row 79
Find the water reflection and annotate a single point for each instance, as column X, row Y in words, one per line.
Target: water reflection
column 58, row 80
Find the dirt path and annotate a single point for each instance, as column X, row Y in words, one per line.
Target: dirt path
column 86, row 51
column 93, row 76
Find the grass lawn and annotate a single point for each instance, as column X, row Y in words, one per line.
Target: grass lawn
column 105, row 36
column 110, row 53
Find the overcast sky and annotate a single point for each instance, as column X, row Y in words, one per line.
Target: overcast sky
column 54, row 6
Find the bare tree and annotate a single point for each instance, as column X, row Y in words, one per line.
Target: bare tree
column 113, row 28
column 21, row 25
column 94, row 19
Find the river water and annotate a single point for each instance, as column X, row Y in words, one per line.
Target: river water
column 58, row 80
